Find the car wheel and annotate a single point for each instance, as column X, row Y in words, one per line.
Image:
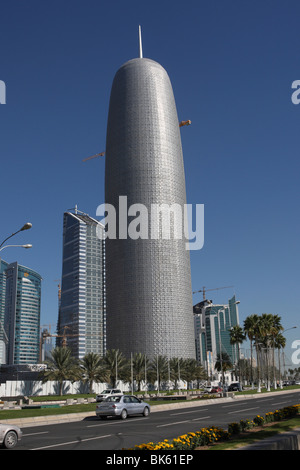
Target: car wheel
column 10, row 440
column 124, row 414
column 146, row 411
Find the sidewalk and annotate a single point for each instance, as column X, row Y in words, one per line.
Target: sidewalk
column 283, row 441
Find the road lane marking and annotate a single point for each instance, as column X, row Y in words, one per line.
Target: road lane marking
column 245, row 409
column 263, row 398
column 198, row 419
column 78, row 441
column 172, row 424
column 186, row 412
column 239, row 404
column 230, row 406
column 281, row 402
column 108, row 423
column 35, row 433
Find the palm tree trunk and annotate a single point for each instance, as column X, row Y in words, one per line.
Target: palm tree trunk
column 280, row 380
column 60, row 387
column 274, row 372
column 258, row 369
column 251, row 363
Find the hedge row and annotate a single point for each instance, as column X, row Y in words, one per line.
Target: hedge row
column 271, row 417
column 208, row 436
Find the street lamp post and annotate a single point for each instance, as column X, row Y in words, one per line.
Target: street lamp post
column 27, row 226
column 220, row 347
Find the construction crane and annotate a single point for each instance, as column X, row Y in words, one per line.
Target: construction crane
column 206, row 290
column 94, row 156
column 185, row 123
column 64, row 335
column 181, row 124
column 3, row 332
column 59, row 287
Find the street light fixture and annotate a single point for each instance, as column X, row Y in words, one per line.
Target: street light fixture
column 27, row 226
column 22, row 246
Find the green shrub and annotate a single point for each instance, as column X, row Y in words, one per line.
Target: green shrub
column 234, row 428
column 259, row 420
column 246, row 424
column 270, row 417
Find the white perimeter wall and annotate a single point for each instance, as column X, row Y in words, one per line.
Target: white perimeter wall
column 17, row 388
column 14, row 388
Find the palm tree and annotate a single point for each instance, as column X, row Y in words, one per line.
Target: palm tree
column 275, row 330
column 175, row 365
column 93, row 370
column 189, row 369
column 237, row 336
column 201, row 374
column 158, row 370
column 269, row 326
column 116, row 366
column 140, row 364
column 223, row 363
column 250, row 328
column 279, row 342
column 192, row 370
column 264, row 326
column 61, row 366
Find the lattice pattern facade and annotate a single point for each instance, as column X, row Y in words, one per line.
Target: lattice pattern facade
column 149, row 297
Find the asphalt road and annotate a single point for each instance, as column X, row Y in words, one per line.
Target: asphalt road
column 115, row 434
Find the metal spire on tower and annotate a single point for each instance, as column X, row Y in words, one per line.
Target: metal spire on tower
column 140, row 43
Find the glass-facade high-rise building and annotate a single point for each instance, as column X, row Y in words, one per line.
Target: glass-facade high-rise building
column 212, row 331
column 3, row 336
column 82, row 302
column 22, row 309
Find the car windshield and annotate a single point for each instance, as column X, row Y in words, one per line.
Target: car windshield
column 114, row 399
column 106, row 391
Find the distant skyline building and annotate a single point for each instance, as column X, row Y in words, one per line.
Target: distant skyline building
column 21, row 287
column 212, row 331
column 82, row 309
column 47, row 345
column 149, row 294
column 3, row 336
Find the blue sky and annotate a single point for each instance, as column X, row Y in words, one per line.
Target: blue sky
column 231, row 64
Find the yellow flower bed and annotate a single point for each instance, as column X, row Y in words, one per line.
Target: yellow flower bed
column 187, row 441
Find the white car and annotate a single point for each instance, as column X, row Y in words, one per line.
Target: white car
column 9, row 435
column 122, row 406
column 107, row 393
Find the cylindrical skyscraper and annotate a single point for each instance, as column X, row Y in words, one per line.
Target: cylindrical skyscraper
column 148, row 285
